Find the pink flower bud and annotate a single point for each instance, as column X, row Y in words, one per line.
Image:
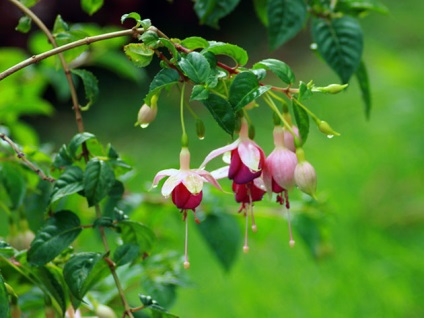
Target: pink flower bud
column 306, row 178
column 146, row 115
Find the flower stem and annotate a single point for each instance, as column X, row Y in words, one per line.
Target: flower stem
column 274, row 107
column 306, row 109
column 184, row 138
column 128, row 311
column 22, row 156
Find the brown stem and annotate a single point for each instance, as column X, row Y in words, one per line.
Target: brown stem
column 86, row 41
column 22, row 156
column 118, row 284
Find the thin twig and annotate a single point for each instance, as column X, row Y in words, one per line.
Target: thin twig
column 22, row 156
column 118, row 284
column 86, row 41
column 52, row 40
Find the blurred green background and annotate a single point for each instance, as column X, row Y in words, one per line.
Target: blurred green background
column 371, row 178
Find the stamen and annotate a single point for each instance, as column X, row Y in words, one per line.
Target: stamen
column 291, row 242
column 286, row 197
column 252, row 216
column 246, row 246
column 186, row 262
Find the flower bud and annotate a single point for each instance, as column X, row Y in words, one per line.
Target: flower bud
column 103, row 311
column 305, row 178
column 324, row 127
column 200, row 129
column 331, row 89
column 21, row 240
column 146, row 115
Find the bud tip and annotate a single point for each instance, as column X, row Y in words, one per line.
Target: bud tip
column 186, row 265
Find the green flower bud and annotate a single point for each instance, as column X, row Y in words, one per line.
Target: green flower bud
column 331, row 89
column 324, row 127
column 103, row 311
column 200, row 129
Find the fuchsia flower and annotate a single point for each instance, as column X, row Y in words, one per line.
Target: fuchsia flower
column 279, row 168
column 185, row 186
column 279, row 171
column 247, row 158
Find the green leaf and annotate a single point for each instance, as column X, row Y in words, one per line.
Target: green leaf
column 199, row 92
column 133, row 15
column 53, row 283
column 98, row 180
column 104, row 221
column 29, row 3
column 222, row 112
column 221, row 232
column 139, row 53
column 261, row 10
column 285, row 19
column 238, row 54
column 195, row 66
column 211, row 11
column 279, row 68
column 125, row 254
column 60, row 25
column 340, row 43
column 137, row 233
column 59, row 231
column 361, row 7
column 91, row 6
column 6, row 250
column 157, row 310
column 62, row 158
column 4, row 300
column 64, row 34
column 24, row 24
column 305, row 91
column 364, row 84
column 171, row 48
column 12, row 177
column 77, row 141
column 311, row 228
column 150, row 39
column 245, row 89
column 70, row 182
column 194, row 43
column 83, row 271
column 302, row 121
column 163, row 79
column 91, row 86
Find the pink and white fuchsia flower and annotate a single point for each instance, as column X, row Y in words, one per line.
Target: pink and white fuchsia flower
column 279, row 171
column 186, row 188
column 247, row 158
column 279, row 168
